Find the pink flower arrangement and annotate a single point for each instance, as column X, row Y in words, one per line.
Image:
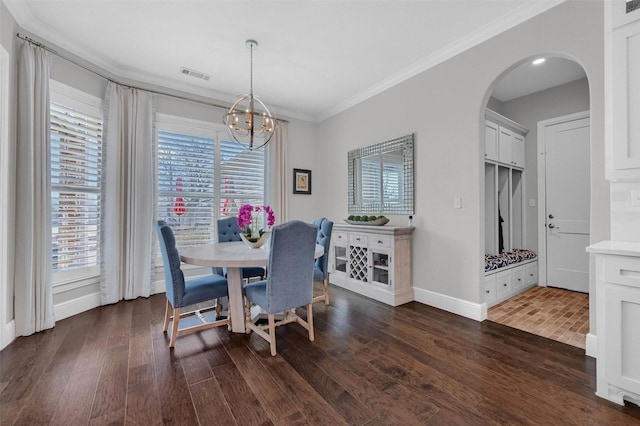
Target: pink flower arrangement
column 248, row 221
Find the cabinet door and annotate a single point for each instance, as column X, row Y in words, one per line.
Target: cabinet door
column 490, row 141
column 339, row 258
column 622, row 38
column 531, row 274
column 517, row 279
column 380, row 267
column 505, row 144
column 622, row 316
column 503, row 284
column 517, row 150
column 490, row 282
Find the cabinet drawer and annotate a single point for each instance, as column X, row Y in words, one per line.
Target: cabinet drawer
column 503, row 284
column 531, row 273
column 358, row 239
column 376, row 241
column 339, row 237
column 517, row 278
column 490, row 289
column 622, row 270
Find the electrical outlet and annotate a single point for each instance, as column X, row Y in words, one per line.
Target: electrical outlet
column 457, row 203
column 532, row 202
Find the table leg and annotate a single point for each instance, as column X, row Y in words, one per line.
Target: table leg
column 236, row 302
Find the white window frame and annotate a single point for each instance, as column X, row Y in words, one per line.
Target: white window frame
column 217, row 132
column 89, row 104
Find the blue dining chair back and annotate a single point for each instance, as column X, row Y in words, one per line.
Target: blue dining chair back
column 228, row 230
column 321, row 266
column 182, row 293
column 289, row 283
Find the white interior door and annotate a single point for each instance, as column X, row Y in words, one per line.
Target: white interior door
column 567, row 187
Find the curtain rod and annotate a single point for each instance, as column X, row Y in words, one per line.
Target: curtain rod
column 184, row 98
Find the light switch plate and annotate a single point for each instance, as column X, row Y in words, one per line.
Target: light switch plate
column 457, row 203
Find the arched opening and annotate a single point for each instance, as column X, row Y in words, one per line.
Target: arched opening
column 537, row 199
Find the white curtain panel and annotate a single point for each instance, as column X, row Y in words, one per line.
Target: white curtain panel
column 33, row 263
column 277, row 183
column 128, row 195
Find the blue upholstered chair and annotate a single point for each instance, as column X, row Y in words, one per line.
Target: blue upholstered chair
column 289, row 283
column 181, row 293
column 321, row 267
column 228, row 230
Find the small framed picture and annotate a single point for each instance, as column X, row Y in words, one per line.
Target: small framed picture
column 301, row 181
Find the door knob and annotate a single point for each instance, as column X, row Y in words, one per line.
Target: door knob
column 550, row 216
column 551, row 226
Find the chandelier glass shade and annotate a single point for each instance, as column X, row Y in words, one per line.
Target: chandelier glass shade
column 249, row 120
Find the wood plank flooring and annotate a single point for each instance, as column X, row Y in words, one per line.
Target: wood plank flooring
column 371, row 364
column 554, row 313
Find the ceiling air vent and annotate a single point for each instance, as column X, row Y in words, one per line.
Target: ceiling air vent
column 194, row 73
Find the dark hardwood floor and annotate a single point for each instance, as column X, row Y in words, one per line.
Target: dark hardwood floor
column 371, row 364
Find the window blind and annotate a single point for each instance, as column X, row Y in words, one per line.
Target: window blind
column 186, row 186
column 76, row 143
column 241, row 178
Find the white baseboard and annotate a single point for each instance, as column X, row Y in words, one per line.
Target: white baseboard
column 75, row 306
column 591, row 345
column 8, row 334
column 474, row 311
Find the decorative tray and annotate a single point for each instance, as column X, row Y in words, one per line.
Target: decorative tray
column 378, row 222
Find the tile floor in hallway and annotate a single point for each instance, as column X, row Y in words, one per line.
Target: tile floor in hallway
column 557, row 314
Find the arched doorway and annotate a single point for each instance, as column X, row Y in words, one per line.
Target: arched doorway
column 535, row 96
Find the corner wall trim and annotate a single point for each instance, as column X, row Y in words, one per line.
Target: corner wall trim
column 454, row 305
column 591, row 345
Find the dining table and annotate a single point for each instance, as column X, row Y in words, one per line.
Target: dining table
column 233, row 255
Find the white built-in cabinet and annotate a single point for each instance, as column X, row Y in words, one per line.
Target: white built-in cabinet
column 504, row 183
column 617, row 263
column 503, row 283
column 622, row 87
column 618, row 318
column 504, row 206
column 374, row 261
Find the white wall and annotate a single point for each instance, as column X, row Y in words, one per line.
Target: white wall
column 444, row 107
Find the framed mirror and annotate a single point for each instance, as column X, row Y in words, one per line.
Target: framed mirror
column 381, row 178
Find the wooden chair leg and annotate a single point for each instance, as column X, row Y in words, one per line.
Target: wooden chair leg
column 218, row 308
column 326, row 291
column 272, row 333
column 167, row 316
column 247, row 315
column 174, row 331
column 310, row 321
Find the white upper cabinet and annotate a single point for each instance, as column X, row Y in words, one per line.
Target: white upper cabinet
column 490, row 141
column 622, row 90
column 504, row 140
column 517, row 150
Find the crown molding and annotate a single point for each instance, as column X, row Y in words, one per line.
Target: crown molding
column 23, row 16
column 495, row 27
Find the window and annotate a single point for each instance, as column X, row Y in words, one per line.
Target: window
column 76, row 162
column 186, row 186
column 202, row 176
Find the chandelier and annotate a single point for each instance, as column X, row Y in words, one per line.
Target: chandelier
column 249, row 120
